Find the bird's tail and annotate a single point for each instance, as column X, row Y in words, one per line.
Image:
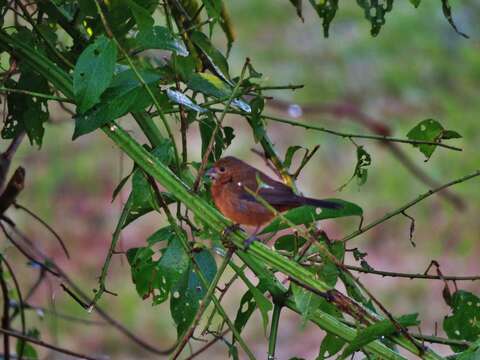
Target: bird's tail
column 326, row 204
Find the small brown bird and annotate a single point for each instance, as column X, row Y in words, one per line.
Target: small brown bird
column 230, row 176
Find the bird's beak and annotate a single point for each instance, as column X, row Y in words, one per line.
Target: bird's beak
column 212, row 173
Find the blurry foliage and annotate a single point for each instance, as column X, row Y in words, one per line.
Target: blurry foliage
column 91, row 52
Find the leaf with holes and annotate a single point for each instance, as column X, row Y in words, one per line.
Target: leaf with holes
column 364, row 161
column 125, row 94
column 430, row 130
column 156, row 278
column 93, row 72
column 27, row 113
column 189, row 290
column 376, row 331
column 464, row 322
column 326, row 10
column 309, row 214
column 375, row 12
column 159, row 37
column 249, row 302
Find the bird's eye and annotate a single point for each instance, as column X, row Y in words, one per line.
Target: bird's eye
column 221, row 169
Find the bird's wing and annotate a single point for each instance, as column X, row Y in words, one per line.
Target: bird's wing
column 274, row 192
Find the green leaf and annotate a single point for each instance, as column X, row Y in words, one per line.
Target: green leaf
column 375, row 12
column 212, row 85
column 472, row 353
column 377, row 330
column 326, row 10
column 124, row 95
column 331, row 345
column 252, row 299
column 309, row 214
column 307, row 302
column 189, row 291
column 256, row 122
column 289, row 155
column 142, row 16
column 415, row 3
column 93, row 72
column 290, row 243
column 217, row 61
column 27, row 113
column 464, row 322
column 213, row 7
column 142, row 198
column 159, row 37
column 364, row 161
column 430, row 130
column 447, row 12
column 298, row 6
column 156, row 278
column 245, row 310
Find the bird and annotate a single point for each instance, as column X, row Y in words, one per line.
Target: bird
column 232, row 178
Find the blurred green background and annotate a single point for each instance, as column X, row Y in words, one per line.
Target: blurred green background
column 417, row 68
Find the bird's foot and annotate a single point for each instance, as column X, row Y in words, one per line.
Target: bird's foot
column 226, row 234
column 249, row 241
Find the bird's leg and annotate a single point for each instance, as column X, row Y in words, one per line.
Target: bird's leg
column 226, row 233
column 249, row 241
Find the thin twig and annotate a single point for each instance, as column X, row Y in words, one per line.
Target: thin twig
column 413, row 275
column 408, row 205
column 47, row 345
column 6, row 314
column 44, row 223
column 20, row 299
column 359, row 136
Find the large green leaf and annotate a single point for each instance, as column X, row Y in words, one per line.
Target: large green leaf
column 464, row 322
column 189, row 290
column 93, row 72
column 125, row 94
column 309, row 214
column 156, row 278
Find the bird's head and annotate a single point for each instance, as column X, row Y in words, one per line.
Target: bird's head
column 225, row 169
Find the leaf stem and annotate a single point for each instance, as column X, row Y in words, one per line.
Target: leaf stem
column 272, row 341
column 36, row 94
